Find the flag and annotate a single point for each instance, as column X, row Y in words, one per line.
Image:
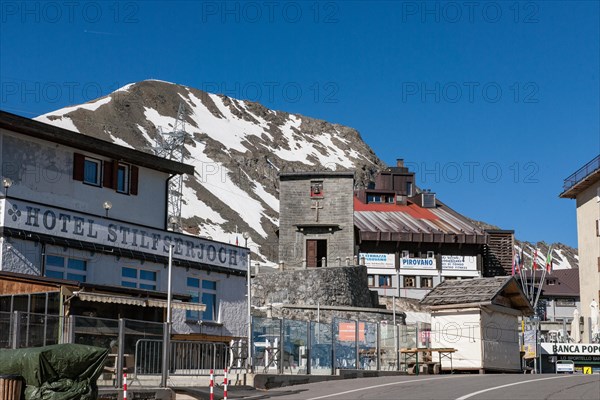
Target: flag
column 521, row 260
column 517, row 263
column 549, row 261
column 236, row 241
column 514, row 262
column 534, row 261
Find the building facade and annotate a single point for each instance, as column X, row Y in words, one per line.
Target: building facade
column 584, row 187
column 409, row 240
column 316, row 226
column 92, row 215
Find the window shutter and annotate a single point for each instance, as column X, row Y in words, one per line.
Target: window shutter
column 78, row 166
column 115, row 174
column 107, row 174
column 134, row 179
column 599, row 265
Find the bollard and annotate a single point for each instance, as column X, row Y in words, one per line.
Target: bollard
column 225, row 386
column 212, row 384
column 124, row 385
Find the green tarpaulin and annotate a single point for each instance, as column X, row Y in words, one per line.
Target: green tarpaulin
column 58, row 372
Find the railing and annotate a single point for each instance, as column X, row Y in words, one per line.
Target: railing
column 581, row 173
column 187, row 357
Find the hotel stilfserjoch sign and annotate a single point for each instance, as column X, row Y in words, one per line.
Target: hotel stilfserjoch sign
column 46, row 220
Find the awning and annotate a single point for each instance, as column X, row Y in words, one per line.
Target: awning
column 136, row 301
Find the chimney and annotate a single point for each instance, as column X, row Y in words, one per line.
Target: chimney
column 400, row 162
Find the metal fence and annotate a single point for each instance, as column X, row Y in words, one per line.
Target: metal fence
column 187, row 357
column 279, row 345
column 298, row 347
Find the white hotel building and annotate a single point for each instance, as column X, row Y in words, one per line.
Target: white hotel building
column 62, row 251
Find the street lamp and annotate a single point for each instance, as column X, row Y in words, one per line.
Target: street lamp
column 246, row 236
column 167, row 327
column 173, row 221
column 107, row 206
column 6, row 182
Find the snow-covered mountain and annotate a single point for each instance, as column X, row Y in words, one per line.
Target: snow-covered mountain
column 237, row 148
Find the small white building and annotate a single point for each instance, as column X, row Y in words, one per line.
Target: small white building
column 92, row 215
column 479, row 318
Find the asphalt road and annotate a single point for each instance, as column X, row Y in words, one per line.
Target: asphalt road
column 447, row 387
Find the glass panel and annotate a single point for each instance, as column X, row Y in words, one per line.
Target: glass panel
column 128, row 284
column 38, row 303
column 54, row 274
column 5, row 304
column 121, row 178
column 321, row 342
column 90, row 174
column 20, row 303
column 345, row 343
column 79, row 265
column 295, row 342
column 266, row 340
column 53, row 303
column 147, row 275
column 147, row 287
column 55, row 261
column 210, row 299
column 129, row 273
column 388, row 349
column 367, row 345
column 210, row 285
column 76, row 277
column 193, row 282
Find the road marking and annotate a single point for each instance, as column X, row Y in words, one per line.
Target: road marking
column 466, row 396
column 382, row 385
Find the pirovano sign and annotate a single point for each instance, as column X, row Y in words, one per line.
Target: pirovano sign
column 417, row 263
column 36, row 218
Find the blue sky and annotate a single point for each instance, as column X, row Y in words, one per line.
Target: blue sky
column 492, row 103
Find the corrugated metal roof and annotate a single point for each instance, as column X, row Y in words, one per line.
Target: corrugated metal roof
column 404, row 221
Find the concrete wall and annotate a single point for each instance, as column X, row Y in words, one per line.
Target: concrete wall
column 335, row 286
column 588, row 212
column 43, row 171
column 295, row 208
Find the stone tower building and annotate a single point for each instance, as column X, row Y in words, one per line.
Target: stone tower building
column 316, row 223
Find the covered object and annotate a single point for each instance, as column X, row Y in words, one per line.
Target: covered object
column 58, row 372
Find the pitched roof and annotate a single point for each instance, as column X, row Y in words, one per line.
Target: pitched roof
column 478, row 291
column 567, row 283
column 55, row 134
column 402, row 222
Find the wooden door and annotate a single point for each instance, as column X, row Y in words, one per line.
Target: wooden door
column 311, row 253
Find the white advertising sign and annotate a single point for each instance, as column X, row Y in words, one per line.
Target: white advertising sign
column 584, row 349
column 378, row 260
column 46, row 220
column 418, row 263
column 464, row 263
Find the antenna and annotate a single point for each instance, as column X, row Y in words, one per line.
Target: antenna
column 170, row 145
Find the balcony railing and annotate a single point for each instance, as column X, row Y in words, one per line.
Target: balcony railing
column 582, row 173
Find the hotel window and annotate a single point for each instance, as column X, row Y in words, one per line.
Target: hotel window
column 405, row 254
column 123, row 178
column 426, row 282
column 385, row 281
column 110, row 174
column 206, row 291
column 91, row 171
column 430, row 254
column 371, row 280
column 65, row 268
column 410, row 282
column 138, row 278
